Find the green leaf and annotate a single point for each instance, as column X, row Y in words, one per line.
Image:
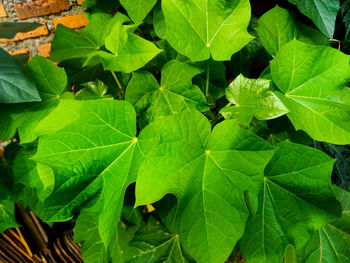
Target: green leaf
column 94, row 158
column 208, row 172
column 278, row 26
column 138, row 9
column 159, row 21
column 153, row 243
column 200, row 29
column 252, row 98
column 296, row 199
column 331, row 243
column 129, row 51
column 312, row 79
column 322, row 13
column 100, row 25
column 15, row 85
column 7, row 215
column 51, row 82
column 68, row 44
column 174, row 94
column 93, row 90
column 10, row 29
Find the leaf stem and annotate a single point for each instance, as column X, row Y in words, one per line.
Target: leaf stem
column 118, row 82
column 207, row 80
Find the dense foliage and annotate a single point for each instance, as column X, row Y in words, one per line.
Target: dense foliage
column 138, row 135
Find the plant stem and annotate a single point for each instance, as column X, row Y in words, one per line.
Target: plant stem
column 207, row 81
column 118, row 82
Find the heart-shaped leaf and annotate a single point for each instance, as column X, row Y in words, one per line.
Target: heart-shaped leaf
column 296, row 199
column 312, row 79
column 252, row 98
column 174, row 94
column 208, row 172
column 95, row 157
column 204, row 28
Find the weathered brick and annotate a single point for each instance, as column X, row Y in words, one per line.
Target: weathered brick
column 44, row 50
column 41, row 8
column 2, row 11
column 39, row 31
column 73, row 21
column 80, row 2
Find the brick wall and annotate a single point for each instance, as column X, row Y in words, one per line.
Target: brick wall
column 47, row 12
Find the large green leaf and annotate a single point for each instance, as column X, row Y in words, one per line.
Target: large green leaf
column 94, row 158
column 296, row 199
column 252, row 98
column 174, row 94
column 7, row 215
column 278, row 26
column 138, row 9
column 203, row 28
column 68, row 44
column 331, row 243
column 51, row 82
column 129, row 51
column 10, row 29
column 15, row 84
column 312, row 79
column 153, row 243
column 323, row 13
column 208, row 172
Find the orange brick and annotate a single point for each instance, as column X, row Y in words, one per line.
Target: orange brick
column 73, row 21
column 80, row 2
column 39, row 31
column 2, row 11
column 41, row 8
column 44, row 50
column 21, row 51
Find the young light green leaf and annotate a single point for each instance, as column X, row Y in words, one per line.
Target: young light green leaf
column 252, row 98
column 208, row 172
column 15, row 85
column 68, row 44
column 51, row 82
column 296, row 199
column 322, row 13
column 153, row 243
column 94, row 158
column 278, row 26
column 200, row 29
column 138, row 9
column 174, row 94
column 312, row 79
column 331, row 243
column 129, row 51
column 7, row 215
column 93, row 90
